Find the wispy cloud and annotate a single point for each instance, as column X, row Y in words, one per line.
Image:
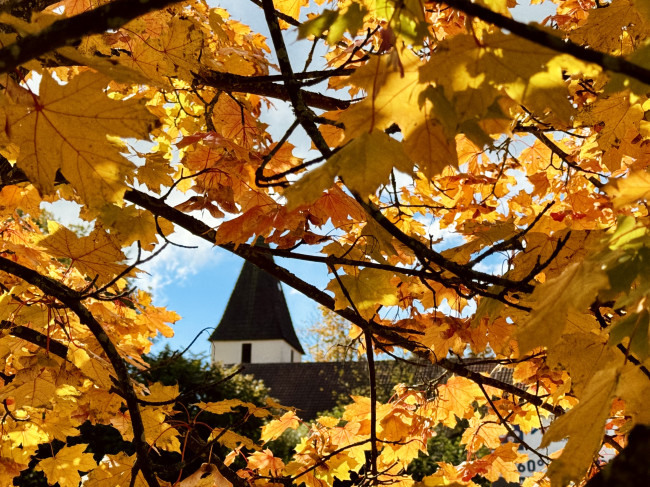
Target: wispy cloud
column 175, row 266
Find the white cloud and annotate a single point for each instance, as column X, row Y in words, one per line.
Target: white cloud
column 175, row 266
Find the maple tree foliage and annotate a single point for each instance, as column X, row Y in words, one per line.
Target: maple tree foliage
column 328, row 338
column 478, row 187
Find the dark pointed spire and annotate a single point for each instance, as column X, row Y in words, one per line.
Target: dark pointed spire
column 256, row 310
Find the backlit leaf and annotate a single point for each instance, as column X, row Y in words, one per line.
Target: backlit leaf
column 632, row 188
column 584, row 425
column 96, row 255
column 367, row 290
column 65, row 128
column 276, row 427
column 65, row 466
column 335, row 23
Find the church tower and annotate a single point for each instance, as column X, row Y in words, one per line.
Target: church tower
column 256, row 326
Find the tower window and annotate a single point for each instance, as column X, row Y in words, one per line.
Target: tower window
column 246, row 353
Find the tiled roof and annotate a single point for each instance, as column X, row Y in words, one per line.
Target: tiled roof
column 256, row 310
column 314, row 387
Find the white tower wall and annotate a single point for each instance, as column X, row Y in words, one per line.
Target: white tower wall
column 261, row 351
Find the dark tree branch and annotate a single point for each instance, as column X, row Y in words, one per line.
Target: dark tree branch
column 427, row 255
column 463, row 371
column 557, row 150
column 508, row 427
column 263, row 87
column 71, row 299
column 514, row 241
column 303, row 113
column 262, row 180
column 282, row 16
column 372, row 377
column 40, row 340
column 544, row 38
column 67, row 31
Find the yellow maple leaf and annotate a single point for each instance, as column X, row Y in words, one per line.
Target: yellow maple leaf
column 582, row 354
column 157, row 431
column 393, row 424
column 25, row 198
column 65, row 128
column 115, row 471
column 153, row 318
column 74, row 7
column 96, row 255
column 9, row 470
column 61, row 422
column 500, row 6
column 584, row 425
column 222, row 407
column 155, row 172
column 266, row 462
column 454, row 400
column 340, row 436
column 64, row 467
column 618, row 30
column 34, row 386
column 427, row 144
column 397, row 96
column 393, row 95
column 207, row 475
column 275, row 428
column 613, row 117
column 634, row 187
column 341, row 465
column 486, row 431
column 124, row 232
column 96, row 368
column 500, row 463
column 572, row 291
column 231, row 440
column 162, row 52
column 448, row 476
column 291, row 8
column 404, row 453
column 634, row 390
column 159, row 392
column 26, row 435
column 474, row 73
column 368, row 289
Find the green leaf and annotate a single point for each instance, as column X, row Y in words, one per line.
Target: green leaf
column 627, row 234
column 336, row 23
column 406, row 19
column 634, row 326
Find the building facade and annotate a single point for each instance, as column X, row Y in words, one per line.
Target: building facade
column 256, row 326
